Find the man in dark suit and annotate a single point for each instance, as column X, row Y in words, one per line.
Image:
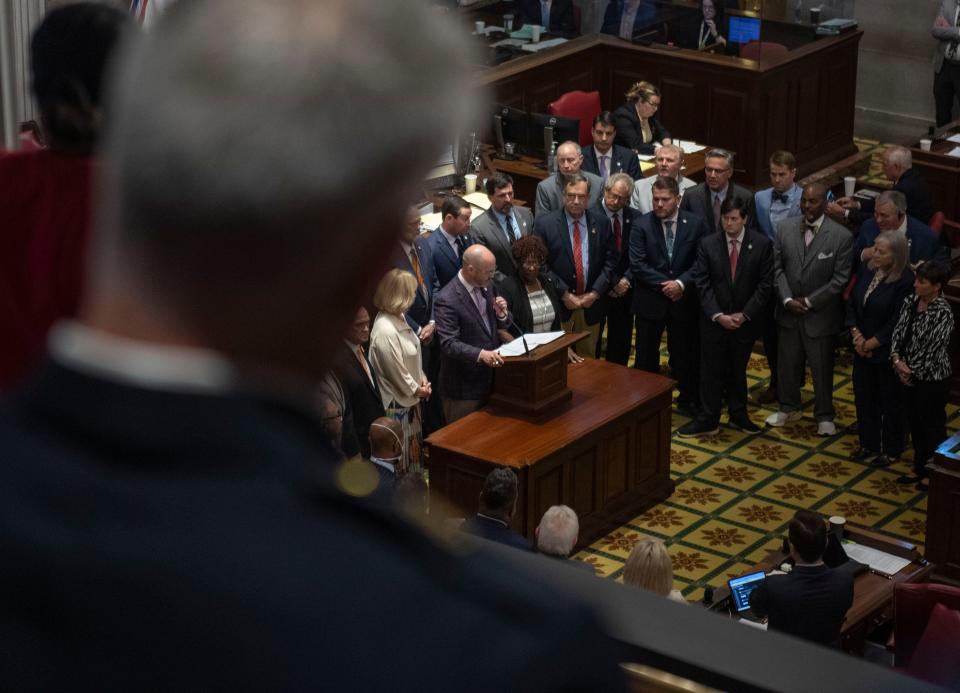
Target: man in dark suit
column 897, row 164
column 173, row 518
column 498, row 505
column 468, row 318
column 734, row 277
column 619, row 302
column 627, row 18
column 890, row 214
column 663, row 250
column 501, row 224
column 358, row 380
column 556, row 16
column 812, row 600
column 605, row 158
column 581, row 258
column 446, row 245
column 811, row 269
column 704, row 199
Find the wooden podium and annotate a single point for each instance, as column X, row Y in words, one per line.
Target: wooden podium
column 943, row 512
column 533, row 383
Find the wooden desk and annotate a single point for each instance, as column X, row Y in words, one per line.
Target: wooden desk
column 872, row 593
column 943, row 512
column 802, row 101
column 605, row 453
column 941, row 172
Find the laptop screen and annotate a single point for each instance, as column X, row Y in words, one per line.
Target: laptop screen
column 741, row 587
column 744, row 29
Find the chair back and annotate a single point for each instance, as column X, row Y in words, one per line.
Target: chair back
column 912, row 604
column 583, row 105
column 762, row 50
column 936, row 222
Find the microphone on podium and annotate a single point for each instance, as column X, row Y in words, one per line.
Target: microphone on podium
column 523, row 337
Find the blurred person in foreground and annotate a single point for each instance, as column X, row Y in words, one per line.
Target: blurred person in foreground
column 204, row 535
column 45, row 194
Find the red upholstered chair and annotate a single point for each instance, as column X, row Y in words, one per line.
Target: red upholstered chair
column 583, row 105
column 936, row 222
column 762, row 50
column 935, row 658
column 912, row 605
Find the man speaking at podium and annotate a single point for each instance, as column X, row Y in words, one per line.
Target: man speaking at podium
column 468, row 316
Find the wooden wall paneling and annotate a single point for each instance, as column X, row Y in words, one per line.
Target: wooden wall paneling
column 728, row 120
column 942, row 182
column 585, row 473
column 614, row 462
column 808, row 110
column 682, row 107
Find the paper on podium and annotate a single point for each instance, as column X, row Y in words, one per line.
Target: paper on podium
column 689, row 147
column 954, row 152
column 533, row 339
column 954, row 138
column 880, row 561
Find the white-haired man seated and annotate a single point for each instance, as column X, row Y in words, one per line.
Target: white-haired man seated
column 557, row 534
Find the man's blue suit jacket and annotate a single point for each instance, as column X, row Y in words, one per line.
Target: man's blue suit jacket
column 762, row 199
column 651, row 266
column 421, row 312
column 924, row 243
column 446, row 264
column 622, row 160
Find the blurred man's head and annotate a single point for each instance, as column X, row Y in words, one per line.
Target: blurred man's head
column 807, row 534
column 558, row 531
column 499, row 189
column 479, row 266
column 386, row 436
column 813, row 201
column 225, row 232
column 617, row 191
column 669, row 160
column 499, row 495
column 890, row 210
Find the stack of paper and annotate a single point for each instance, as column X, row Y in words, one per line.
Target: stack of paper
column 880, row 561
column 529, row 341
column 543, row 45
column 689, row 146
column 478, row 199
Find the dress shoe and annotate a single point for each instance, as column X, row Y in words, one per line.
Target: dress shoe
column 908, row 479
column 826, row 428
column 768, row 396
column 924, row 484
column 881, row 461
column 743, row 423
column 698, row 427
column 862, row 454
column 781, row 418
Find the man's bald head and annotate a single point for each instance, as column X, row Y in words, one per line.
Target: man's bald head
column 386, row 436
column 479, row 265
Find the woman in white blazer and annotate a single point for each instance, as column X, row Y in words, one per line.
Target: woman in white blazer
column 395, row 356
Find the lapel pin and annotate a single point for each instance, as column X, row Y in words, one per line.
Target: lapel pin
column 749, row 246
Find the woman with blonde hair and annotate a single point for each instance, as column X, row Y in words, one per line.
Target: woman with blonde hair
column 637, row 128
column 396, row 359
column 649, row 567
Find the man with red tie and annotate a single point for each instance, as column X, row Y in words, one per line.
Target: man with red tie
column 581, row 260
column 613, row 206
column 734, row 277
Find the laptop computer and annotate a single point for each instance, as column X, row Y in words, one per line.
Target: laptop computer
column 740, row 589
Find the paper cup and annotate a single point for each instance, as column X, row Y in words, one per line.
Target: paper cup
column 535, row 33
column 470, row 182
column 837, row 524
column 814, row 15
column 849, row 185
column 478, row 27
column 508, row 23
column 925, row 144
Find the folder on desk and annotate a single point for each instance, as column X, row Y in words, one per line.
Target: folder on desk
column 524, row 32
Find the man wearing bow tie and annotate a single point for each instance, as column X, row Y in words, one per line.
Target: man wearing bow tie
column 812, row 265
column 581, row 260
column 773, row 205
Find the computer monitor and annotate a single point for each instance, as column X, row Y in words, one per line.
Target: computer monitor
column 509, row 125
column 743, row 27
column 546, row 130
column 741, row 587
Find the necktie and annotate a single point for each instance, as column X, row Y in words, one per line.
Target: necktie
column 363, row 363
column 809, row 234
column 617, row 231
column 461, row 242
column 604, row 171
column 734, row 256
column 716, row 211
column 669, row 237
column 415, row 263
column 507, row 226
column 578, row 257
column 481, row 304
column 782, row 197
column 545, row 14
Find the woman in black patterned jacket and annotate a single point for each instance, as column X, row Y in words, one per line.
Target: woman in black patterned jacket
column 918, row 350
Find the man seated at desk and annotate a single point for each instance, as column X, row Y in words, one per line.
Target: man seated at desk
column 555, row 16
column 705, row 30
column 628, row 18
column 812, row 600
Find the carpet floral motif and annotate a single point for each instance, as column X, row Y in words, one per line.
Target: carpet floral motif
column 661, row 517
column 794, row 490
column 769, row 451
column 914, row 527
column 689, row 561
column 736, row 474
column 624, row 541
column 886, row 486
column 832, row 469
column 723, row 536
column 862, row 509
column 759, row 513
column 681, row 458
column 698, row 495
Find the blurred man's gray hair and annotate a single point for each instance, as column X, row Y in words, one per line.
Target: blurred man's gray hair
column 245, row 132
column 558, row 531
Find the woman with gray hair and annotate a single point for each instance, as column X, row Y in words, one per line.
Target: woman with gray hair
column 872, row 309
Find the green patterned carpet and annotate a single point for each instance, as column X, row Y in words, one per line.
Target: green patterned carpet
column 736, row 492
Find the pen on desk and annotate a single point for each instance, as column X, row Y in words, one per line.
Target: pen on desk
column 883, row 575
